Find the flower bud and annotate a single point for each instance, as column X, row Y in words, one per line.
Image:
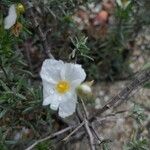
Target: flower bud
column 20, row 8
column 84, row 90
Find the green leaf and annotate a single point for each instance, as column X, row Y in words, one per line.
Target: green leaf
column 146, row 66
column 3, row 112
column 5, row 87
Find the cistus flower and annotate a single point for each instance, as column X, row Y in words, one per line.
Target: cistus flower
column 10, row 22
column 60, row 81
column 11, row 19
column 123, row 3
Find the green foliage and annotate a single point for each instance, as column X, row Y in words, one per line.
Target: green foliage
column 6, row 42
column 147, row 65
column 2, row 140
column 143, row 12
column 147, row 85
column 138, row 114
column 141, row 144
column 111, row 54
column 45, row 146
column 124, row 14
column 14, row 87
column 81, row 48
column 9, row 2
column 105, row 145
column 19, row 96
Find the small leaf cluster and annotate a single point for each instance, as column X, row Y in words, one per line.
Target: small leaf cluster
column 141, row 144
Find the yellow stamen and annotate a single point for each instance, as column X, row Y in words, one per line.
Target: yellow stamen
column 62, row 87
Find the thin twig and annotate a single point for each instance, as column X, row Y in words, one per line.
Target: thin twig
column 96, row 133
column 84, row 108
column 90, row 135
column 86, row 124
column 27, row 47
column 49, row 137
column 74, row 131
column 38, row 29
column 79, row 114
column 142, row 77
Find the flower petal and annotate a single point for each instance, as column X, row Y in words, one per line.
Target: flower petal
column 119, row 3
column 48, row 100
column 55, row 103
column 48, row 89
column 10, row 20
column 68, row 107
column 71, row 95
column 50, row 71
column 53, row 100
column 73, row 73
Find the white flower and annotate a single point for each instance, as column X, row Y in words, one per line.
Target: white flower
column 10, row 20
column 123, row 3
column 59, row 85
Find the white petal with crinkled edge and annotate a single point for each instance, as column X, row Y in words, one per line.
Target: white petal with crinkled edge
column 119, row 3
column 68, row 107
column 53, row 100
column 50, row 71
column 69, row 96
column 10, row 20
column 48, row 89
column 48, row 100
column 73, row 73
column 55, row 103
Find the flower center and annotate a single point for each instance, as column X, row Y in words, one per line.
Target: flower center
column 62, row 87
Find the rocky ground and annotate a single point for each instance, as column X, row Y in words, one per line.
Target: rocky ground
column 121, row 127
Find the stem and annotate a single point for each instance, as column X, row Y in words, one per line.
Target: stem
column 38, row 29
